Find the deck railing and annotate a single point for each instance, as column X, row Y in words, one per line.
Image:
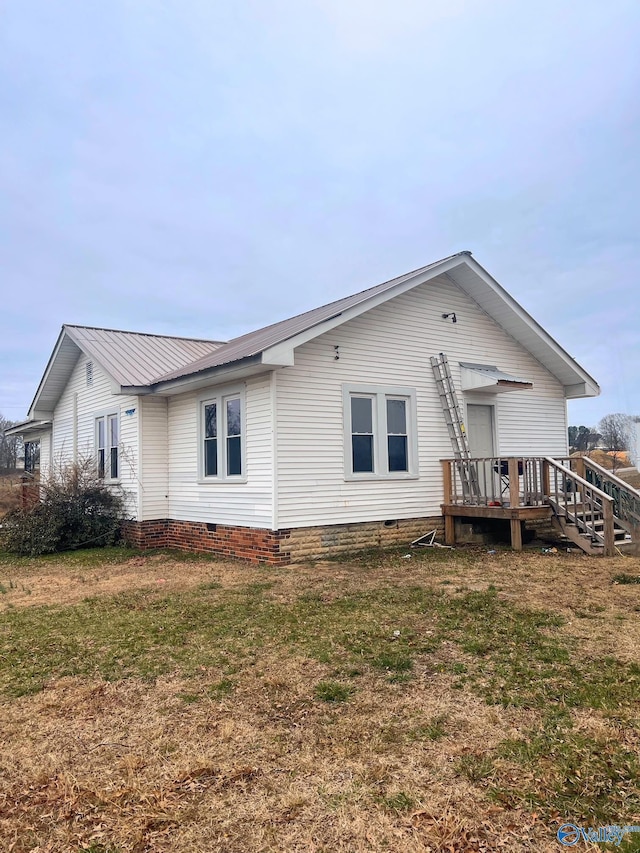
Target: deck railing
column 626, row 499
column 580, row 493
column 581, row 503
column 494, row 481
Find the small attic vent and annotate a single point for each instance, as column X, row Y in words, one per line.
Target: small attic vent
column 89, row 373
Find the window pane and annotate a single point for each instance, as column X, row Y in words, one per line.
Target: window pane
column 233, row 417
column 396, row 417
column 362, row 453
column 101, row 463
column 101, row 432
column 114, row 463
column 211, row 457
column 361, row 415
column 113, row 432
column 210, row 421
column 398, row 453
column 234, row 455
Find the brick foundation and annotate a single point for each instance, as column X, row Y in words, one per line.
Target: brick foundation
column 278, row 547
column 246, row 543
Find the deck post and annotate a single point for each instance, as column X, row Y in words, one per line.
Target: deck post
column 516, row 534
column 514, row 483
column 579, row 468
column 546, row 479
column 446, row 480
column 449, row 529
column 609, row 537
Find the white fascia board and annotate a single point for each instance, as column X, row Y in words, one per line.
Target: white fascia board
column 209, row 378
column 581, row 389
column 281, row 355
column 591, row 386
column 47, row 371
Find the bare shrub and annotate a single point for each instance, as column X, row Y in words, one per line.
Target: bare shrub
column 76, row 510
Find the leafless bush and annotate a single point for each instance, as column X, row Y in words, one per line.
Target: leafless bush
column 76, row 510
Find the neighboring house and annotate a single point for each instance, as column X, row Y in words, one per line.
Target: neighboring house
column 323, row 432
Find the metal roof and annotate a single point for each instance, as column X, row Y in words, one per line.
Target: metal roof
column 129, row 358
column 137, row 358
column 256, row 342
column 160, row 362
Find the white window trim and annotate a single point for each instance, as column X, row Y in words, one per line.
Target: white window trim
column 219, row 396
column 105, row 414
column 380, row 393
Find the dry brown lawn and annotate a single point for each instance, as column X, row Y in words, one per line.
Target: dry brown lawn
column 251, row 755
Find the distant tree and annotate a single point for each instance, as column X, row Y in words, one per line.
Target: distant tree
column 582, row 438
column 10, row 447
column 615, row 430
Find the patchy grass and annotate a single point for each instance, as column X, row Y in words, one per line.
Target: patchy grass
column 456, row 700
column 624, row 578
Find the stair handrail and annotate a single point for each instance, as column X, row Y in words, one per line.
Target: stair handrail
column 591, row 496
column 628, row 516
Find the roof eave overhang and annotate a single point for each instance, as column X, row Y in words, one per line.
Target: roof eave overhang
column 556, row 359
column 282, row 354
column 218, row 375
column 37, row 426
column 581, row 389
column 47, row 372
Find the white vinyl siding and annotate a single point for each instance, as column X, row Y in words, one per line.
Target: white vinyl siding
column 391, row 346
column 154, row 451
column 74, row 427
column 222, row 501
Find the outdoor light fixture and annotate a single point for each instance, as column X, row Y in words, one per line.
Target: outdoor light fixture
column 451, row 314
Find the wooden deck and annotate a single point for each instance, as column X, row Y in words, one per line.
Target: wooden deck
column 515, row 515
column 587, row 504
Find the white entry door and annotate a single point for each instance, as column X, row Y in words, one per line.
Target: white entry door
column 480, row 430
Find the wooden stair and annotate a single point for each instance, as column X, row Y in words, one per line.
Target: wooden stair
column 590, row 540
column 593, row 508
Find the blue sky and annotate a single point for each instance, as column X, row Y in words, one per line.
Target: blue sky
column 204, row 168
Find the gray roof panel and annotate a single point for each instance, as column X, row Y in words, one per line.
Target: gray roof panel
column 256, row 342
column 135, row 358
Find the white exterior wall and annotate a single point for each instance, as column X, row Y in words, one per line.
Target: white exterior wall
column 73, row 434
column 247, row 503
column 154, row 456
column 45, row 454
column 391, row 346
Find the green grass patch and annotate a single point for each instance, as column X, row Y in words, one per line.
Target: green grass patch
column 333, row 691
column 222, row 688
column 626, row 579
column 591, row 779
column 399, row 802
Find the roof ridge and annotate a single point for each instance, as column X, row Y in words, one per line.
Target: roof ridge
column 144, row 334
column 349, row 296
column 321, row 312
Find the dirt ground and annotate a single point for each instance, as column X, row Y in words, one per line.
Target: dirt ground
column 133, row 765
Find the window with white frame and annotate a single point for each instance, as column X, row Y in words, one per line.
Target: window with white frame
column 222, row 437
column 107, row 446
column 380, row 432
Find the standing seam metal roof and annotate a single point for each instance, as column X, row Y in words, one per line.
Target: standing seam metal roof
column 256, row 342
column 136, row 358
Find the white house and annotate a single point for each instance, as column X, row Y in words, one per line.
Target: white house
column 319, row 433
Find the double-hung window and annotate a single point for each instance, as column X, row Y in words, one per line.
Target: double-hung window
column 222, row 437
column 380, row 432
column 107, row 446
